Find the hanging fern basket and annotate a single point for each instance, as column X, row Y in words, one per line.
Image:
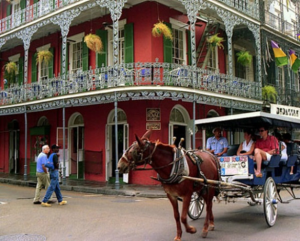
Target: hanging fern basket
column 269, row 93
column 93, row 42
column 162, row 29
column 215, row 40
column 44, row 56
column 244, row 58
column 11, row 69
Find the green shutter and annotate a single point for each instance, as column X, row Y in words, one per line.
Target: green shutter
column 21, row 71
column 85, row 56
column 168, row 48
column 33, row 68
column 50, row 68
column 188, row 32
column 128, row 43
column 23, row 5
column 67, row 59
column 102, row 57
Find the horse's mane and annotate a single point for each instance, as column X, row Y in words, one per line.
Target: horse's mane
column 167, row 146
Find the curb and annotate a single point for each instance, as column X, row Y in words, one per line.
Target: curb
column 103, row 190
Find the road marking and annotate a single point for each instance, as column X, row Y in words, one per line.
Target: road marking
column 93, row 195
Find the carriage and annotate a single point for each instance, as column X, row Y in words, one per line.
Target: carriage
column 196, row 176
column 237, row 172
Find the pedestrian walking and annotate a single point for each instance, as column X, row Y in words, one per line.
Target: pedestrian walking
column 53, row 165
column 41, row 173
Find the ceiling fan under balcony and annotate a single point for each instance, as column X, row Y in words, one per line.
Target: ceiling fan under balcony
column 197, row 24
column 107, row 25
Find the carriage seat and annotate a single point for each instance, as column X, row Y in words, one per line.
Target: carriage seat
column 232, row 150
column 274, row 162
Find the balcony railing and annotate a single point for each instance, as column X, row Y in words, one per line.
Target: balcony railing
column 32, row 12
column 251, row 8
column 280, row 25
column 134, row 74
column 288, row 97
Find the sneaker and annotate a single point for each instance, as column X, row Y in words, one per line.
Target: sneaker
column 46, row 205
column 63, row 203
column 37, row 202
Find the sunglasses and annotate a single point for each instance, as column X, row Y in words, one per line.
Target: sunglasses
column 261, row 130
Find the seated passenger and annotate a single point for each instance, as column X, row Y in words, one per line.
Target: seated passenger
column 217, row 144
column 265, row 147
column 247, row 146
column 287, row 138
column 282, row 146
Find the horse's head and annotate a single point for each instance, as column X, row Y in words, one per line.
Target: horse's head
column 137, row 154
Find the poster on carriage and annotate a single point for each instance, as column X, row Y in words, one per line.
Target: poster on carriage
column 234, row 165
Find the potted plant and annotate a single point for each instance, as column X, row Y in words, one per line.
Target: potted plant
column 269, row 94
column 244, row 58
column 11, row 69
column 215, row 40
column 44, row 56
column 162, row 29
column 93, row 42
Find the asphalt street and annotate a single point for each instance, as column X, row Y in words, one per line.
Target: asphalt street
column 110, row 217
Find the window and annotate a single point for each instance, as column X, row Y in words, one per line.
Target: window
column 212, row 59
column 43, row 68
column 16, row 14
column 121, row 43
column 76, row 56
column 179, row 41
column 281, row 78
column 75, row 53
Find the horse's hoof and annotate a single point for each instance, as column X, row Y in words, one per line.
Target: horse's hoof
column 211, row 228
column 177, row 239
column 191, row 229
column 204, row 234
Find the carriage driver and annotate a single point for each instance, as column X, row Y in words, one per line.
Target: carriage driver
column 217, row 145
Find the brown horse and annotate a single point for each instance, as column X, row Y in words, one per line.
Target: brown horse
column 162, row 158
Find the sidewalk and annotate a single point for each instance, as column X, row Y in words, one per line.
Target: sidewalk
column 91, row 186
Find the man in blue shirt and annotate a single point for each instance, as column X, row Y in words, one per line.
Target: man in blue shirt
column 43, row 178
column 217, row 144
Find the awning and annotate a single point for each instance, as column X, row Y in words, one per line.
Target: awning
column 249, row 120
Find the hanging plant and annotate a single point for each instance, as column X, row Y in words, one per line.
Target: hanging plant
column 9, row 1
column 11, row 69
column 244, row 58
column 269, row 93
column 93, row 42
column 161, row 28
column 44, row 56
column 214, row 41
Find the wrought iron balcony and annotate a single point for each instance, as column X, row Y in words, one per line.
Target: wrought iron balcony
column 281, row 25
column 288, row 96
column 249, row 7
column 132, row 74
column 31, row 13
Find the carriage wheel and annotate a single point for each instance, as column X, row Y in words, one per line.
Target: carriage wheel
column 270, row 201
column 196, row 206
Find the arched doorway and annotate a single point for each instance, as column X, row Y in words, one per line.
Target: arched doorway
column 76, row 146
column 178, row 126
column 110, row 141
column 14, row 143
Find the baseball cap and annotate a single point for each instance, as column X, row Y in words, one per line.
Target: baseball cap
column 55, row 146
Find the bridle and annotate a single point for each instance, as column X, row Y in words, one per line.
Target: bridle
column 146, row 160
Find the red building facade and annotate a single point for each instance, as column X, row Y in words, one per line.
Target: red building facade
column 156, row 84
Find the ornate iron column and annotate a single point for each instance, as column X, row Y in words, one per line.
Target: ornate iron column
column 26, row 35
column 115, row 8
column 64, row 21
column 192, row 7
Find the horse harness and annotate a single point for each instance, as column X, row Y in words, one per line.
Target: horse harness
column 180, row 166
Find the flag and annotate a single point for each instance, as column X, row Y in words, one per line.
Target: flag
column 294, row 61
column 280, row 57
column 298, row 36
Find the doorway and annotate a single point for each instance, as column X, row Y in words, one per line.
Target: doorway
column 76, row 147
column 111, row 162
column 14, row 143
column 178, row 127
